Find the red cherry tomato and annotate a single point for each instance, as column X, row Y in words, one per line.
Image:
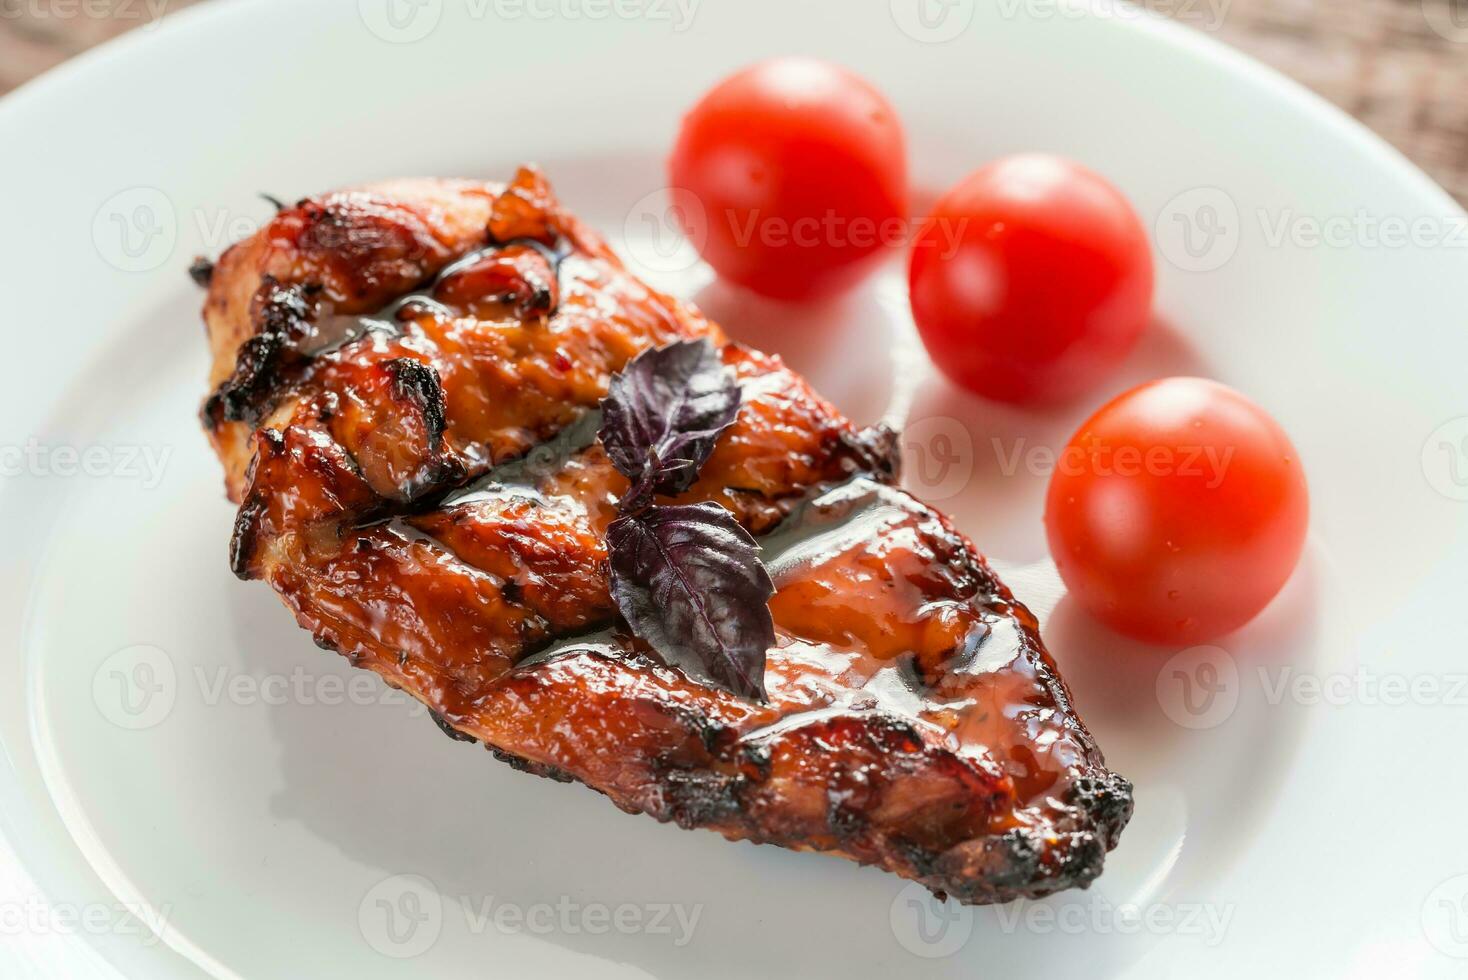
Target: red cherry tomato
column 1031, row 279
column 1178, row 511
column 799, row 171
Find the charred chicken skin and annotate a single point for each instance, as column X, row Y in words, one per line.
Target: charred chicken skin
column 405, row 384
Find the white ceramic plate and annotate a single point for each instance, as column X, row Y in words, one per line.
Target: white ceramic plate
column 174, row 743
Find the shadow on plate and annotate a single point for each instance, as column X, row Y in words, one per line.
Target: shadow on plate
column 987, row 464
column 1201, row 725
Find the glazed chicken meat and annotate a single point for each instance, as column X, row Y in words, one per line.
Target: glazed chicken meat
column 405, row 398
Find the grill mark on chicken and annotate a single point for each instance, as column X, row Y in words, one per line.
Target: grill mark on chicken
column 201, row 271
column 914, row 721
column 283, row 315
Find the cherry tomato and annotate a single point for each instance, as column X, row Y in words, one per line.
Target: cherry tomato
column 1031, row 279
column 799, row 171
column 1177, row 511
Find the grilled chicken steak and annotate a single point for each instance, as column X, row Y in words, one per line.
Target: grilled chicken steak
column 406, row 382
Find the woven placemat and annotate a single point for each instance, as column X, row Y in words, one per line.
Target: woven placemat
column 1400, row 66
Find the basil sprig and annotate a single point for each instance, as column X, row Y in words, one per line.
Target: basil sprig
column 688, row 577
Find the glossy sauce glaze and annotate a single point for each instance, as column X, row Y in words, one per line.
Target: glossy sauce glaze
column 420, row 481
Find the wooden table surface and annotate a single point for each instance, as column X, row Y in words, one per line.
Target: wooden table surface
column 1400, row 66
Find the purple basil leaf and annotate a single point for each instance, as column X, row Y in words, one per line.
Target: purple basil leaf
column 689, row 580
column 663, row 414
